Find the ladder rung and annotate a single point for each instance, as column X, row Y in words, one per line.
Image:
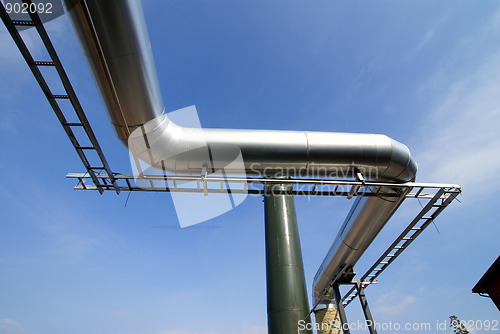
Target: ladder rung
column 398, row 247
column 391, row 255
column 371, row 275
column 22, row 23
column 416, row 228
column 60, row 96
column 72, row 124
column 377, row 269
column 407, row 238
column 96, row 167
column 384, row 262
column 85, row 147
column 427, row 217
column 44, row 63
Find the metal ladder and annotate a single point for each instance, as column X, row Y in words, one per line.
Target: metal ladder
column 429, row 212
column 53, row 99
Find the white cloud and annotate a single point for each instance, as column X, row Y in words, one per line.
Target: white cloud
column 429, row 35
column 70, row 240
column 8, row 326
column 184, row 331
column 459, row 141
column 244, row 329
column 393, row 304
column 427, row 38
column 252, row 329
column 70, row 236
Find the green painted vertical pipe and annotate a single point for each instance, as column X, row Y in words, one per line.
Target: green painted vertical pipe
column 286, row 285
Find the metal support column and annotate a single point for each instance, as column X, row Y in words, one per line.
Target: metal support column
column 338, row 300
column 364, row 306
column 287, row 302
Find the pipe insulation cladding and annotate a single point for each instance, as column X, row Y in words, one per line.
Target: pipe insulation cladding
column 115, row 39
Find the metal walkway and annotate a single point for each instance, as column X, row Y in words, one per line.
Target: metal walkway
column 55, row 98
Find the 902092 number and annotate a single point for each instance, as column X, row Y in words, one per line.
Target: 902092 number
column 24, row 8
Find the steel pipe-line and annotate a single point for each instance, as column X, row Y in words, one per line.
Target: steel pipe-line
column 114, row 36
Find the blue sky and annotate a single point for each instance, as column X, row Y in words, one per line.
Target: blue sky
column 425, row 73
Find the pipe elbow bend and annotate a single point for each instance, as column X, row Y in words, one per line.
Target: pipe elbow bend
column 402, row 167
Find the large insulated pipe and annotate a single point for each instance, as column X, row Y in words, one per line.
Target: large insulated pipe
column 115, row 40
column 114, row 35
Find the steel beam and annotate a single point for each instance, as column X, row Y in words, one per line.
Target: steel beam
column 338, row 300
column 364, row 306
column 287, row 302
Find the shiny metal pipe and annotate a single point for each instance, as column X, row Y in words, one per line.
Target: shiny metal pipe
column 269, row 152
column 115, row 40
column 114, row 36
column 365, row 220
